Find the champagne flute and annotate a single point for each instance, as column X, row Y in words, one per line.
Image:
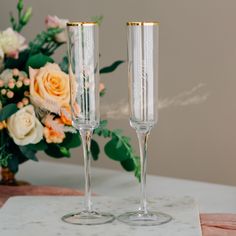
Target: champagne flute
column 83, row 57
column 143, row 42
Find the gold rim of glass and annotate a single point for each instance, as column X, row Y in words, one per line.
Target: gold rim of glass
column 136, row 23
column 78, row 23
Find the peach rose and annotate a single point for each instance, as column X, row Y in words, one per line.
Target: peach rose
column 66, row 115
column 53, row 130
column 53, row 136
column 49, row 87
column 3, row 125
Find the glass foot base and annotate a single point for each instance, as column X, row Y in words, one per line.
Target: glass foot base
column 140, row 218
column 88, row 218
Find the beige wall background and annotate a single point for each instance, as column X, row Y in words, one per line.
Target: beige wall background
column 196, row 134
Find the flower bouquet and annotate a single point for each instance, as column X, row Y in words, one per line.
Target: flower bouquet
column 34, row 105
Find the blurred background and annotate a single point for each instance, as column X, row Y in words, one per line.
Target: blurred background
column 196, row 134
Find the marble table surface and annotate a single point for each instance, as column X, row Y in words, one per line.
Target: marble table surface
column 210, row 197
column 27, row 216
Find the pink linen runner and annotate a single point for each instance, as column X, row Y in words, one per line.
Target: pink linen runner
column 218, row 224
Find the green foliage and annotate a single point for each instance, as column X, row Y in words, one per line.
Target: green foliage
column 37, row 61
column 128, row 164
column 72, row 140
column 137, row 171
column 19, row 63
column 7, row 111
column 5, row 155
column 102, row 93
column 23, row 16
column 64, row 64
column 118, row 148
column 28, row 152
column 13, row 164
column 40, row 146
column 10, row 154
column 26, row 16
column 95, row 150
column 38, row 53
column 65, row 151
column 44, row 42
column 97, row 19
column 111, row 68
column 57, row 151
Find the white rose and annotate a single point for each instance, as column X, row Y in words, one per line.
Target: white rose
column 11, row 43
column 1, row 53
column 24, row 127
column 1, row 61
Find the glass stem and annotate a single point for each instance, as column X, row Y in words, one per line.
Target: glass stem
column 142, row 138
column 86, row 135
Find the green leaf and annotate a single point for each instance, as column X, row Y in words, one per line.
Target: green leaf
column 7, row 111
column 111, row 68
column 137, row 171
column 106, row 133
column 103, row 123
column 38, row 60
column 65, row 151
column 26, row 17
column 40, row 146
column 72, row 140
column 95, row 150
column 118, row 154
column 97, row 19
column 13, row 164
column 64, row 64
column 44, row 42
column 28, row 152
column 57, row 151
column 19, row 63
column 102, row 93
column 12, row 154
column 20, row 5
column 128, row 164
column 102, row 130
column 118, row 144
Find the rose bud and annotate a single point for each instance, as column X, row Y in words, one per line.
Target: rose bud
column 25, row 101
column 11, row 84
column 19, row 84
column 26, row 93
column 26, row 82
column 1, row 83
column 21, row 78
column 19, row 105
column 11, row 80
column 10, row 94
column 3, row 91
column 101, row 87
column 15, row 72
